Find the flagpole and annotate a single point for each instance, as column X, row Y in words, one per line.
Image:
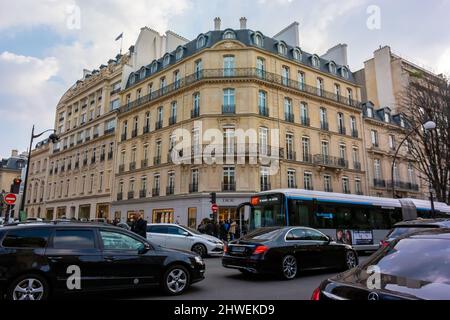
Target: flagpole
column 121, row 44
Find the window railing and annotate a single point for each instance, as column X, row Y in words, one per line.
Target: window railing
column 134, row 133
column 146, row 129
column 130, row 195
column 133, row 165
column 330, row 161
column 143, row 193
column 158, row 125
column 230, row 186
column 193, row 188
column 155, row 192
column 263, row 111
column 172, row 120
column 123, row 137
column 379, row 183
column 355, row 133
column 121, row 168
column 119, row 196
column 229, row 109
column 195, row 113
column 291, row 155
column 110, row 130
column 144, row 163
column 170, row 190
column 252, row 73
column 289, row 117
column 324, row 126
column 110, row 155
column 342, row 130
column 156, row 160
column 305, row 121
column 265, row 187
column 357, row 165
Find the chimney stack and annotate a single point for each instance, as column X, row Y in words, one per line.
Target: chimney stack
column 243, row 21
column 14, row 153
column 217, row 22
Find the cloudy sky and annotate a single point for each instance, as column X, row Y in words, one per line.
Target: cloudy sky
column 45, row 44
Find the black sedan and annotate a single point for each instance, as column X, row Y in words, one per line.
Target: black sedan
column 286, row 250
column 413, row 267
column 43, row 258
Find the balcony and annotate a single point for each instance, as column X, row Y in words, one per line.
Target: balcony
column 195, row 113
column 342, row 130
column 355, row 133
column 357, row 166
column 265, row 187
column 328, row 189
column 110, row 130
column 172, row 120
column 142, row 193
column 132, row 165
column 156, row 160
column 87, row 138
column 263, row 111
column 144, row 163
column 307, row 158
column 229, row 109
column 122, row 168
column 324, row 126
column 238, row 73
column 401, row 185
column 130, row 195
column 120, row 196
column 289, row 117
column 134, row 133
column 229, row 186
column 158, row 125
column 95, row 135
column 193, row 188
column 330, row 162
column 115, row 91
column 146, row 129
column 170, row 190
column 155, row 192
column 102, row 157
column 379, row 183
column 123, row 137
column 359, row 193
column 304, row 121
column 291, row 155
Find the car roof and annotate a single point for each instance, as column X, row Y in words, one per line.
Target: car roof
column 439, row 233
column 424, row 223
column 55, row 224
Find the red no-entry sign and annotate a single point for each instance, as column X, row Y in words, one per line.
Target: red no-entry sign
column 10, row 198
column 215, row 208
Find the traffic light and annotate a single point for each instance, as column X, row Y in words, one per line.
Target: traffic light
column 15, row 187
column 213, row 197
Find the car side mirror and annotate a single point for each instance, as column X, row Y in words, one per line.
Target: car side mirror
column 330, row 239
column 144, row 249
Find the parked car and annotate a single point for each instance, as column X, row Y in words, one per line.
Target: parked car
column 412, row 267
column 407, row 227
column 183, row 238
column 286, row 251
column 37, row 260
column 34, row 220
column 123, row 225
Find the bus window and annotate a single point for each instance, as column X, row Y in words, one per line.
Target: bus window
column 299, row 213
column 268, row 212
column 324, row 217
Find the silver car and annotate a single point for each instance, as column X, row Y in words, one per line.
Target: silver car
column 174, row 236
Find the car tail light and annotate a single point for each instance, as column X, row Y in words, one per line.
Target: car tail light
column 316, row 295
column 225, row 248
column 384, row 243
column 260, row 250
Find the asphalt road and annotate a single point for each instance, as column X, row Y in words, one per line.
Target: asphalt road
column 227, row 284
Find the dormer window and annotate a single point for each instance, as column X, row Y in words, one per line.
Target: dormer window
column 142, row 74
column 402, row 122
column 315, row 61
column 297, row 53
column 166, row 60
column 132, row 78
column 370, row 112
column 201, row 41
column 332, row 67
column 344, row 72
column 229, row 35
column 154, row 66
column 180, row 52
column 387, row 117
column 258, row 39
column 282, row 48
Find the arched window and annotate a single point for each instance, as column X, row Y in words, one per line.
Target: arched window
column 344, row 72
column 201, row 41
column 315, row 61
column 154, row 66
column 332, row 67
column 142, row 74
column 180, row 52
column 282, row 48
column 297, row 53
column 229, row 35
column 166, row 60
column 258, row 39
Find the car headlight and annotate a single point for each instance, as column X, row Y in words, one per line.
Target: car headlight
column 198, row 259
column 214, row 241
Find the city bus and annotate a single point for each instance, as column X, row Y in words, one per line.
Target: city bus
column 360, row 221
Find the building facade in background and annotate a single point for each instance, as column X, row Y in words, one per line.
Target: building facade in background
column 233, row 112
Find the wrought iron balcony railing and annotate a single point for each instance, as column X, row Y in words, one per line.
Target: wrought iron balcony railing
column 329, row 161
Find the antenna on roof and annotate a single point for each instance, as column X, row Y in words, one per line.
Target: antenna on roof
column 120, row 37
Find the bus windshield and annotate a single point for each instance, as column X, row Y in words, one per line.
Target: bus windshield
column 267, row 211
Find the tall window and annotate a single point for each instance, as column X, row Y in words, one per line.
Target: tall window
column 262, row 102
column 411, row 175
column 353, row 127
column 260, row 67
column 345, row 185
column 341, row 123
column 358, row 188
column 327, row 184
column 350, row 96
column 319, row 84
column 355, row 158
column 194, row 180
column 158, row 149
column 176, row 79
column 229, row 97
column 315, row 61
column 144, row 185
column 229, row 138
column 306, row 151
column 264, row 179
column 374, row 138
column 307, row 180
column 342, row 151
column 147, row 122
column 285, row 73
column 228, row 66
column 325, row 149
column 196, row 106
column 290, row 155
column 337, row 91
column 160, row 114
column 292, row 183
column 301, row 80
column 198, row 69
column 173, row 112
column 156, row 183
column 263, row 141
column 171, row 182
column 304, row 114
column 377, row 169
column 288, row 112
column 392, row 142
column 396, row 173
column 229, row 179
column 323, row 119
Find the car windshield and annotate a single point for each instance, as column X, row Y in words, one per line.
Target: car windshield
column 263, row 234
column 422, row 259
column 404, row 230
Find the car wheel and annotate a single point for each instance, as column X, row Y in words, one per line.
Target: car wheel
column 175, row 280
column 246, row 272
column 289, row 267
column 28, row 287
column 200, row 249
column 350, row 260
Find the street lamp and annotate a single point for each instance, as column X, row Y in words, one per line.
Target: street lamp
column 427, row 126
column 53, row 138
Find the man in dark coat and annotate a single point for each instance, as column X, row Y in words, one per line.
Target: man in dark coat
column 140, row 226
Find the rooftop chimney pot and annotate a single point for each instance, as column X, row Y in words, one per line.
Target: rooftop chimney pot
column 243, row 22
column 217, row 22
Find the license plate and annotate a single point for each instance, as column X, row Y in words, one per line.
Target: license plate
column 238, row 249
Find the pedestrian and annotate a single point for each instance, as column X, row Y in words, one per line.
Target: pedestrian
column 202, row 227
column 233, row 227
column 210, row 228
column 140, row 226
column 222, row 231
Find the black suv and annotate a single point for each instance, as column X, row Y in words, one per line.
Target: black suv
column 39, row 259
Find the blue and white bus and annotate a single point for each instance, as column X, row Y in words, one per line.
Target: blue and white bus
column 361, row 221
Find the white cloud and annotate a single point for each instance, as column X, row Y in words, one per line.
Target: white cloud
column 443, row 64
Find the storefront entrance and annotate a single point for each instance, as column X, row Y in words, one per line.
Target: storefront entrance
column 84, row 212
column 228, row 214
column 163, row 216
column 102, row 211
column 133, row 216
column 61, row 213
column 49, row 214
